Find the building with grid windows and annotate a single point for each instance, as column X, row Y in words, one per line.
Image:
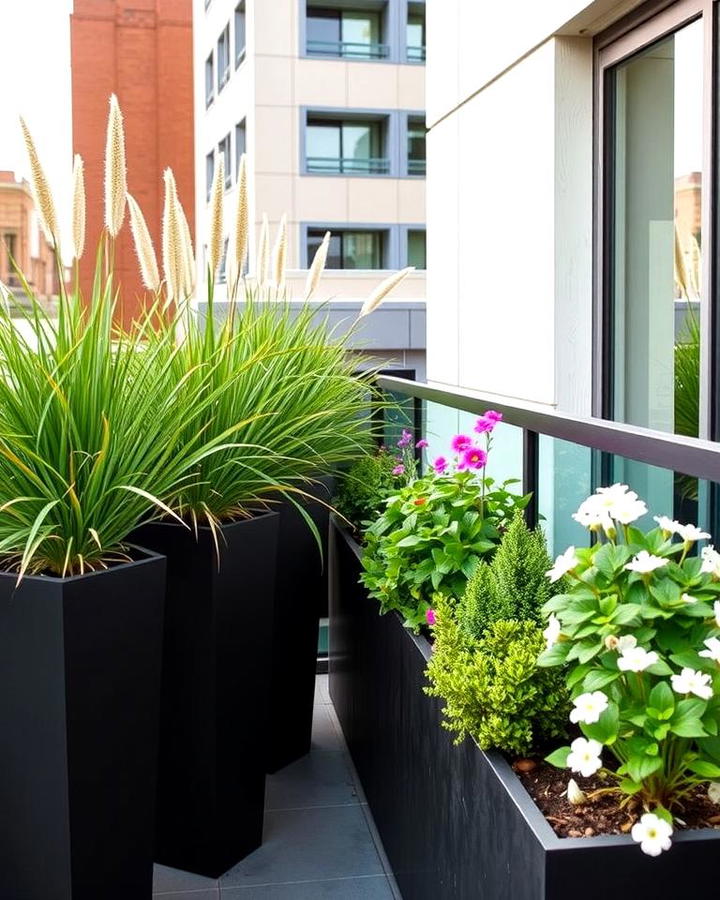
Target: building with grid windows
column 327, row 99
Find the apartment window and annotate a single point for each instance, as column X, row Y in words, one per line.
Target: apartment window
column 416, row 146
column 348, row 33
column 653, row 259
column 415, row 33
column 223, row 58
column 350, row 248
column 209, row 173
column 345, row 146
column 222, row 271
column 209, row 80
column 416, row 248
column 239, row 33
column 224, row 151
column 240, row 143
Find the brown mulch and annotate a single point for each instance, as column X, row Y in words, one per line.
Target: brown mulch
column 547, row 786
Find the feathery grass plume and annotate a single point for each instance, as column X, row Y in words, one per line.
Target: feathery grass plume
column 173, row 241
column 41, row 192
column 263, row 254
column 215, row 242
column 280, row 253
column 115, row 171
column 382, row 290
column 239, row 248
column 188, row 254
column 318, row 267
column 78, row 206
column 143, row 246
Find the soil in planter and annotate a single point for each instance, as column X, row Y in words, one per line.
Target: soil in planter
column 547, row 786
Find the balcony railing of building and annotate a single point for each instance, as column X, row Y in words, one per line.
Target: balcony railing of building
column 561, row 459
column 347, row 49
column 320, row 165
column 415, row 54
column 417, row 166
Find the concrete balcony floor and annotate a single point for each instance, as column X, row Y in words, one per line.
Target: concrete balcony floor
column 320, row 839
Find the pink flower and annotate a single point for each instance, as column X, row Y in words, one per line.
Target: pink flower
column 473, row 458
column 406, row 439
column 422, row 443
column 430, row 616
column 399, row 470
column 488, row 421
column 493, row 415
column 440, row 465
column 461, row 442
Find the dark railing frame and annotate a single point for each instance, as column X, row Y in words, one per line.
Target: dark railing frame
column 688, row 456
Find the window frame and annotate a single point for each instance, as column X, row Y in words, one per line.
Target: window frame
column 224, row 147
column 645, row 26
column 240, row 13
column 209, row 173
column 210, row 82
column 224, row 76
column 240, row 128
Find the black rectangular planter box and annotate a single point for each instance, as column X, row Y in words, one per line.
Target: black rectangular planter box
column 456, row 822
column 213, row 720
column 301, row 590
column 79, row 702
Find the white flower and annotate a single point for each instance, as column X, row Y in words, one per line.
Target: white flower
column 689, row 681
column 620, row 503
column 691, row 533
column 611, row 642
column 713, row 649
column 653, row 834
column 713, row 792
column 626, row 642
column 584, row 756
column 710, row 561
column 591, row 515
column 636, row 659
column 670, row 526
column 575, row 794
column 588, row 707
column 686, row 598
column 629, row 510
column 565, row 563
column 645, row 562
column 552, row 632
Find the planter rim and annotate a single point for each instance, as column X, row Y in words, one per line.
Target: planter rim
column 537, row 822
column 223, row 526
column 149, row 556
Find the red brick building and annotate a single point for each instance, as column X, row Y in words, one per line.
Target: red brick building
column 140, row 50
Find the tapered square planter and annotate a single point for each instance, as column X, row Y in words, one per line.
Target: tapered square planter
column 214, row 712
column 301, row 591
column 456, row 823
column 79, row 703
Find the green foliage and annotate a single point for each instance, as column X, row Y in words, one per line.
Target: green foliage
column 493, row 689
column 643, row 642
column 687, row 392
column 90, row 422
column 514, row 585
column 431, row 537
column 296, row 409
column 362, row 490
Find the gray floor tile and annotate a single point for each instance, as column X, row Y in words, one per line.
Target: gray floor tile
column 309, row 845
column 173, row 881
column 213, row 894
column 325, row 735
column 322, row 694
column 320, row 779
column 372, row 887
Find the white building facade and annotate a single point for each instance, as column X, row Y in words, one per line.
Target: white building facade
column 571, row 199
column 327, row 99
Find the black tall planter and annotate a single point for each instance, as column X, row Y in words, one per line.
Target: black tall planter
column 79, row 702
column 301, row 590
column 217, row 653
column 456, row 823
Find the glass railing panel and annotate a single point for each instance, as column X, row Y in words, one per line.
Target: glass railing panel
column 415, row 54
column 565, row 479
column 417, row 167
column 347, row 49
column 319, row 165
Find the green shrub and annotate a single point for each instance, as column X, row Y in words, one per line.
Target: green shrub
column 430, row 539
column 493, row 689
column 514, row 585
column 362, row 490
